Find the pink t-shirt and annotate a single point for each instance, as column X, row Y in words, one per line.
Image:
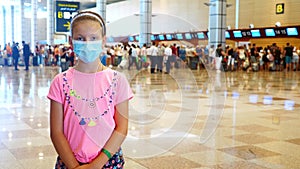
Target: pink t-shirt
column 89, row 101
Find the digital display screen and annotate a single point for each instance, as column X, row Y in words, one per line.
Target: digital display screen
column 188, row 36
column 270, row 32
column 268, row 100
column 255, row 33
column 200, row 35
column 237, row 34
column 137, row 38
column 169, row 37
column 179, row 36
column 292, row 31
column 130, row 39
column 289, row 105
column 227, row 35
column 161, row 37
column 152, row 37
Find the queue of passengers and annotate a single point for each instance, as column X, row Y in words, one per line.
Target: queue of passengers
column 160, row 57
column 247, row 58
column 253, row 58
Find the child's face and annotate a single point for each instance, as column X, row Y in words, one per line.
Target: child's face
column 87, row 30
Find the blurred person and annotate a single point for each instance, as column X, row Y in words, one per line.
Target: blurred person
column 167, row 58
column 182, row 55
column 211, row 56
column 288, row 53
column 153, row 57
column 200, row 54
column 16, row 55
column 231, row 58
column 26, row 54
column 56, row 55
column 295, row 60
column 143, row 56
column 133, row 57
column 160, row 57
column 220, row 54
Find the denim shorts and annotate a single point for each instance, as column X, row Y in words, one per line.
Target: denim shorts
column 115, row 162
column 288, row 59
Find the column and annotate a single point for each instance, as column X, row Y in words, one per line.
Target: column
column 101, row 8
column 50, row 22
column 217, row 22
column 12, row 22
column 237, row 13
column 145, row 22
column 33, row 23
column 23, row 22
column 4, row 25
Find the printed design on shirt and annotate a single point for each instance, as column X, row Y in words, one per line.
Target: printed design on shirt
column 90, row 121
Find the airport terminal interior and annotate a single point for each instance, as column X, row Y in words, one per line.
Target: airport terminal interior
column 194, row 117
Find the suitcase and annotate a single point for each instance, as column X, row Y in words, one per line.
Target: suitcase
column 9, row 61
column 255, row 67
column 35, row 61
column 123, row 64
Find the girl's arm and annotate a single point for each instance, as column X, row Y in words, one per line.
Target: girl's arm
column 57, row 136
column 116, row 139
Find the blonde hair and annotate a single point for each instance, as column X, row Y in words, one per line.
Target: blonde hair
column 88, row 15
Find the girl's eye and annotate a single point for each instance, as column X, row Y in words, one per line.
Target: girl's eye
column 93, row 38
column 80, row 38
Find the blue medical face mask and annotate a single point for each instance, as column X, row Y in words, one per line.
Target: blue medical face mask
column 87, row 51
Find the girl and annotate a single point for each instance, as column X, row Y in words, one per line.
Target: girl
column 89, row 103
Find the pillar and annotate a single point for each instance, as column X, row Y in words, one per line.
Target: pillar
column 101, row 8
column 33, row 23
column 237, row 13
column 145, row 22
column 217, row 22
column 50, row 22
column 12, row 7
column 4, row 25
column 23, row 22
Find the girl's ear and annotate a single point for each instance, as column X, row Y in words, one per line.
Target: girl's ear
column 103, row 42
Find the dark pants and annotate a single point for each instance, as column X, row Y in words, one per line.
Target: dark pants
column 131, row 61
column 160, row 63
column 16, row 61
column 116, row 162
column 26, row 61
column 119, row 59
column 153, row 60
column 168, row 64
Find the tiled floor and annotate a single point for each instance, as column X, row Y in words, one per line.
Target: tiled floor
column 188, row 119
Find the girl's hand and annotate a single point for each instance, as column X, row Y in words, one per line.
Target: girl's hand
column 85, row 166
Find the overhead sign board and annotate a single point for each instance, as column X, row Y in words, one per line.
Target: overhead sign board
column 65, row 11
column 280, row 8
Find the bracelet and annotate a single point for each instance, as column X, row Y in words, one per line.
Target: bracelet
column 106, row 152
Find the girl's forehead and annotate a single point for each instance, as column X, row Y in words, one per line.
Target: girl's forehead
column 86, row 23
column 87, row 26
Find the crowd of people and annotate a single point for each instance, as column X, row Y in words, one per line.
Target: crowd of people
column 42, row 55
column 253, row 58
column 249, row 57
column 160, row 57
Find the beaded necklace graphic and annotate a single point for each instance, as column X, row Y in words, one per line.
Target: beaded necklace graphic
column 90, row 121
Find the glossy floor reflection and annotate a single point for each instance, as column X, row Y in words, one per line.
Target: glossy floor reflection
column 188, row 119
